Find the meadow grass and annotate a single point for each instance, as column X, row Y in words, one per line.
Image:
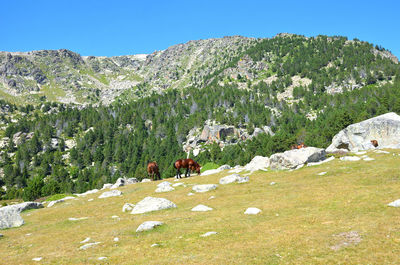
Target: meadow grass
column 300, row 214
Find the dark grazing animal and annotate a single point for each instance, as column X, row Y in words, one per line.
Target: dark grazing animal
column 153, row 171
column 189, row 164
column 374, row 143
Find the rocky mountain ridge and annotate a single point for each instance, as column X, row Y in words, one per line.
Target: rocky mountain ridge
column 65, row 76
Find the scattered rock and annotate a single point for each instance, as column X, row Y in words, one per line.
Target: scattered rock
column 146, row 180
column 177, row 184
column 385, row 129
column 77, row 219
column 60, row 200
column 150, row 204
column 37, row 259
column 89, row 245
column 164, row 184
column 87, row 193
column 258, row 163
column 85, row 240
column 130, row 181
column 293, row 159
column 155, row 245
column 346, row 239
column 252, row 210
column 201, row 208
column 211, row 197
column 229, row 179
column 164, row 188
column 112, row 193
column 224, row 167
column 320, row 162
column 368, row 159
column 107, row 186
column 395, row 203
column 360, row 153
column 116, row 239
column 204, row 187
column 350, row 158
column 90, row 200
column 102, row 258
column 243, row 179
column 127, row 207
column 115, row 217
column 149, row 225
column 322, row 173
column 382, row 152
column 209, row 234
column 272, row 183
column 190, row 194
column 236, row 169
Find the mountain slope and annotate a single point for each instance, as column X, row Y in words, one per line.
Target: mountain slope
column 288, row 63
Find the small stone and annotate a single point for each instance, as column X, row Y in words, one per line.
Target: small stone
column 149, row 225
column 209, row 234
column 85, row 240
column 89, row 245
column 90, row 200
column 395, row 203
column 164, row 189
column 361, row 153
column 322, row 173
column 150, row 204
column 115, row 217
column 211, row 197
column 102, row 258
column 243, row 179
column 369, row 159
column 116, row 239
column 127, row 207
column 77, row 219
column 350, row 158
column 155, row 245
column 201, row 208
column 252, row 210
column 177, row 184
column 37, row 259
column 146, row 180
column 29, row 234
column 272, row 183
column 190, row 194
column 204, row 187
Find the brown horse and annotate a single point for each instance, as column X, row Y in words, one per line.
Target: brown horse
column 189, row 164
column 374, row 143
column 298, row 146
column 152, row 170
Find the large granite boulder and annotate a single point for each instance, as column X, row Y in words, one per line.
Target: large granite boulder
column 385, row 129
column 296, row 158
column 150, row 204
column 10, row 215
column 257, row 163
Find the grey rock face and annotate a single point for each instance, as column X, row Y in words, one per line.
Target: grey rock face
column 149, row 225
column 150, row 204
column 384, row 128
column 294, row 158
column 10, row 215
column 204, row 187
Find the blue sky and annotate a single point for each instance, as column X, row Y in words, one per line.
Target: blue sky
column 107, row 28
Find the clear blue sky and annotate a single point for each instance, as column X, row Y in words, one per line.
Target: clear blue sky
column 107, row 28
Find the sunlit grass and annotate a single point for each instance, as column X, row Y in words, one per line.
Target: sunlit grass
column 300, row 214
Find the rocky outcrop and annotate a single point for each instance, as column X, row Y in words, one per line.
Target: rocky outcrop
column 221, row 134
column 10, row 215
column 385, row 129
column 293, row 159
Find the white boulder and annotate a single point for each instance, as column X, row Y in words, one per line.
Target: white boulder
column 164, row 188
column 149, row 225
column 385, row 129
column 164, row 184
column 146, row 180
column 294, row 159
column 229, row 179
column 150, row 204
column 204, row 187
column 127, row 207
column 201, row 208
column 112, row 193
column 107, row 186
column 258, row 163
column 395, row 203
column 350, row 158
column 209, row 234
column 252, row 210
column 10, row 215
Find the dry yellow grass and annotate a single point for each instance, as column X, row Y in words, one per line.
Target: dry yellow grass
column 300, row 215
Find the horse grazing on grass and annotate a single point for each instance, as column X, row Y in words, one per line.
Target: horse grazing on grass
column 189, row 164
column 153, row 171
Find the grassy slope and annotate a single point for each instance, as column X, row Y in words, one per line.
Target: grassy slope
column 299, row 216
